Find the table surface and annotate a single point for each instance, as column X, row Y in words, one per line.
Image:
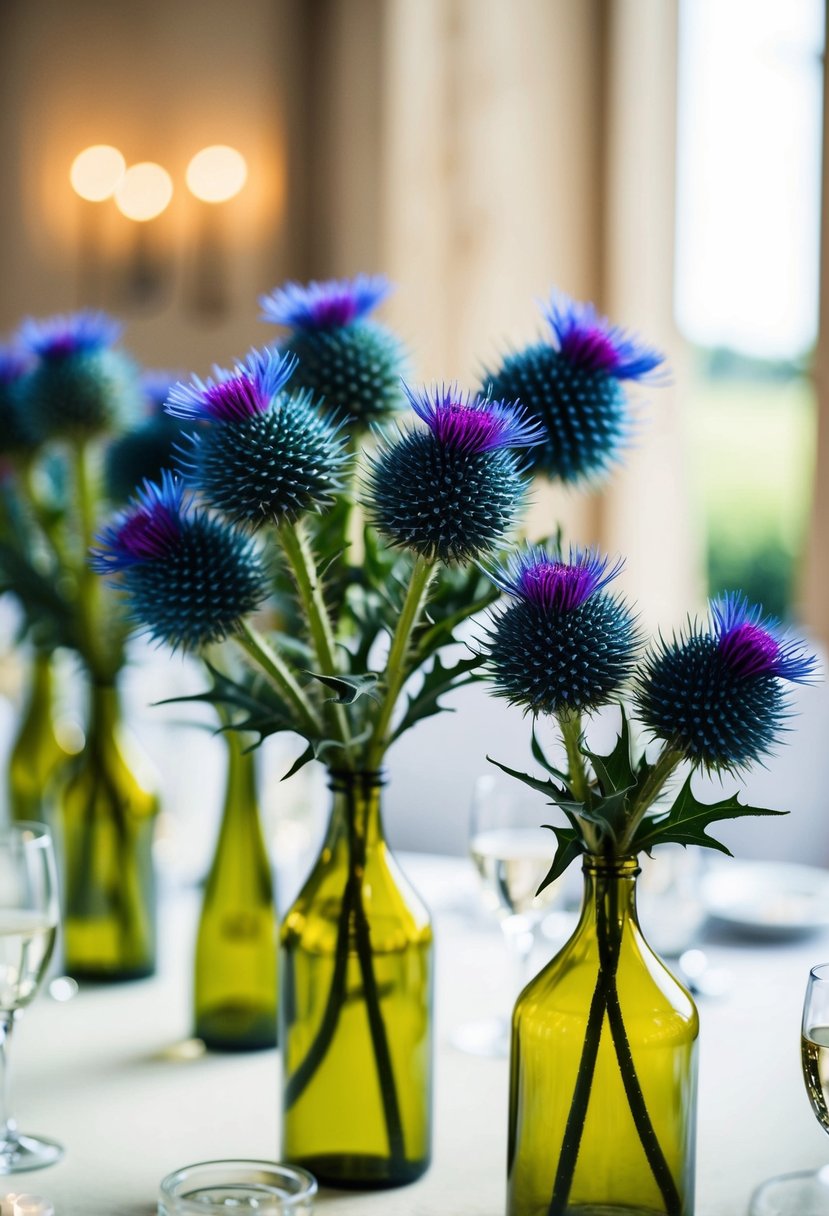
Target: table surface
column 111, row 1075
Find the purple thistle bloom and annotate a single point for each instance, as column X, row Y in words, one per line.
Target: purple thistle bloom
column 473, row 424
column 69, row 334
column 552, row 584
column 233, row 396
column 327, row 305
column 148, row 529
column 752, row 645
column 590, row 342
column 13, row 364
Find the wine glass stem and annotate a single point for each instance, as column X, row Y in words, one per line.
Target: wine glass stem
column 519, row 939
column 8, row 1126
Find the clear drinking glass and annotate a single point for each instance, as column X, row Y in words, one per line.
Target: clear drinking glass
column 806, row 1193
column 241, row 1186
column 28, row 928
column 512, row 853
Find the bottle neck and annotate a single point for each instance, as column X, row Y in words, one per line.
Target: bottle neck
column 241, row 792
column 104, row 710
column 356, row 814
column 609, row 891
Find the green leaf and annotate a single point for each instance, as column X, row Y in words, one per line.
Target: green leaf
column 317, row 749
column 569, row 846
column 347, row 689
column 615, row 772
column 541, row 758
column 263, row 711
column 560, row 796
column 686, row 821
column 437, row 681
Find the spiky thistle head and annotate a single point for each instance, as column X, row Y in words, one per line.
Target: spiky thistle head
column 716, row 692
column 144, row 452
column 80, row 385
column 453, row 490
column 573, row 385
column 187, row 579
column 265, row 456
column 18, row 439
column 352, row 363
column 563, row 644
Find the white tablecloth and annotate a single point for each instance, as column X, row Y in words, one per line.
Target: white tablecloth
column 105, row 1075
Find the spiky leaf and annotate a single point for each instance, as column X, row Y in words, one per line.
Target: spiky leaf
column 687, row 820
column 437, row 681
column 347, row 689
column 569, row 846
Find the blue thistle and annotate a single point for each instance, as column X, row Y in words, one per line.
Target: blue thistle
column 143, row 453
column 563, row 644
column 573, row 385
column 451, row 491
column 79, row 386
column 187, row 579
column 18, row 440
column 351, row 363
column 716, row 693
column 264, row 456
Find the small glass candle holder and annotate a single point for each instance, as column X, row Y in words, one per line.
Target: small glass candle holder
column 223, row 1187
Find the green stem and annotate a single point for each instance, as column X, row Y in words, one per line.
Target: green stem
column 610, row 940
column 252, row 642
column 666, row 764
column 91, row 628
column 300, row 557
column 396, row 668
column 569, row 722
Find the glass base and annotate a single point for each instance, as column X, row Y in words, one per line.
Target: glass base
column 28, row 1153
column 487, row 1037
column 802, row 1194
column 355, row 1171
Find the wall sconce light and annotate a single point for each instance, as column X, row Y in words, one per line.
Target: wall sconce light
column 215, row 175
column 96, row 172
column 144, row 192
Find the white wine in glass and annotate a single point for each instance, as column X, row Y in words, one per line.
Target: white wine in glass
column 512, row 854
column 28, row 928
column 806, row 1193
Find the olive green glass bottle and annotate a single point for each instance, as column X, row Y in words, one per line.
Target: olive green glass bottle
column 603, row 1072
column 106, row 827
column 235, row 980
column 356, row 1007
column 36, row 755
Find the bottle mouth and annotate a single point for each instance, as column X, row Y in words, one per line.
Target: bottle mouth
column 622, row 867
column 343, row 779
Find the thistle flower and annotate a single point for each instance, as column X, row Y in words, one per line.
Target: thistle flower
column 564, row 643
column 79, row 386
column 573, row 385
column 350, row 362
column 17, row 438
column 264, row 456
column 143, row 453
column 451, row 491
column 716, row 693
column 187, row 579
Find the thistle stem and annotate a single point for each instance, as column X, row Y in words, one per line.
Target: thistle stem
column 396, row 670
column 571, row 732
column 300, row 557
column 90, row 627
column 666, row 763
column 252, row 642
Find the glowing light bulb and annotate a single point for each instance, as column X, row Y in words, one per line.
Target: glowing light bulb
column 216, row 173
column 144, row 191
column 96, row 172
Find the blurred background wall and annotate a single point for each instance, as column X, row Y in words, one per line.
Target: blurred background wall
column 477, row 152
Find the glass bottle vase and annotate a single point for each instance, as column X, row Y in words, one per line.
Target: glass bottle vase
column 602, row 1113
column 356, row 1007
column 235, row 975
column 106, row 825
column 36, row 755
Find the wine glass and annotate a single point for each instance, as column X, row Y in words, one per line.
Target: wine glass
column 512, row 853
column 28, row 928
column 806, row 1191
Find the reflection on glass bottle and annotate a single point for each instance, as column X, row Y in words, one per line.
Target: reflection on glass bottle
column 235, row 979
column 356, row 1008
column 36, row 754
column 603, row 1077
column 106, row 826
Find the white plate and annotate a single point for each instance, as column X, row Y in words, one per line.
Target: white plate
column 768, row 899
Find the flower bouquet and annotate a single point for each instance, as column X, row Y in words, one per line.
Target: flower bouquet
column 602, row 1094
